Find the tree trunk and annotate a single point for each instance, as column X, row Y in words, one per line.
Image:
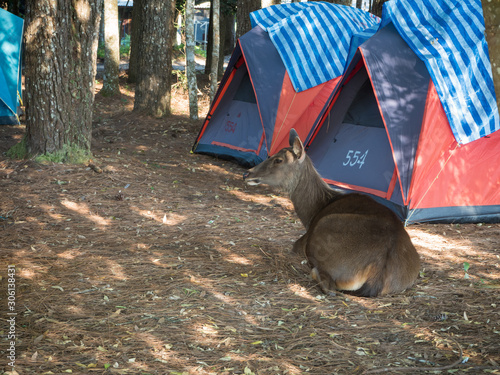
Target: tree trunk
column 341, row 2
column 135, row 40
column 210, row 41
column 226, row 39
column 268, row 3
column 227, row 23
column 359, row 4
column 491, row 12
column 190, row 62
column 110, row 85
column 61, row 51
column 214, row 68
column 377, row 7
column 243, row 10
column 226, row 33
column 152, row 93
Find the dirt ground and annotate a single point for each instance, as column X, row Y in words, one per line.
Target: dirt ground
column 166, row 263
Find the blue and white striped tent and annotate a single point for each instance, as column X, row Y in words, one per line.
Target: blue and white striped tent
column 447, row 35
column 313, row 38
column 263, row 95
column 414, row 120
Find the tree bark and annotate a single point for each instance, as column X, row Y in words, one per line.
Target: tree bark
column 135, row 40
column 190, row 62
column 243, row 10
column 153, row 90
column 341, row 2
column 61, row 51
column 110, row 85
column 377, row 7
column 227, row 35
column 214, row 68
column 491, row 12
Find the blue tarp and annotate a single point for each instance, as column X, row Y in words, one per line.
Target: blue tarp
column 11, row 32
column 313, row 38
column 448, row 35
column 317, row 40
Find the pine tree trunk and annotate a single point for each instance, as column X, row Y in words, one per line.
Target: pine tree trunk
column 491, row 12
column 341, row 2
column 110, row 85
column 61, row 53
column 135, row 40
column 214, row 68
column 153, row 91
column 377, row 7
column 243, row 10
column 210, row 41
column 190, row 62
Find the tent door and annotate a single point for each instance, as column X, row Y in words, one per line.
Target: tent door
column 235, row 122
column 351, row 150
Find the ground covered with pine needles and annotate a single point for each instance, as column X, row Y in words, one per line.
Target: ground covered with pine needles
column 153, row 260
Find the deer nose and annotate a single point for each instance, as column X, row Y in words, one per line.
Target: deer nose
column 245, row 175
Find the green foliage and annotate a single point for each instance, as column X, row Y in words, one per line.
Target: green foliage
column 19, row 150
column 124, row 48
column 70, row 154
column 466, row 270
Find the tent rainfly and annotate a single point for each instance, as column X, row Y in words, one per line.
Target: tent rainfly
column 258, row 102
column 11, row 33
column 410, row 118
column 386, row 134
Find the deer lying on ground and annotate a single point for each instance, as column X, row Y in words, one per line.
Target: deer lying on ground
column 352, row 242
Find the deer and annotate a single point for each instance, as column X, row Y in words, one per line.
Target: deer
column 352, row 242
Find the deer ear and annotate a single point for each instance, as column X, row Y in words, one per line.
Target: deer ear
column 298, row 149
column 292, row 136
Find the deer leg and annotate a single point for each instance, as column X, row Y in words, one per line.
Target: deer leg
column 299, row 247
column 324, row 281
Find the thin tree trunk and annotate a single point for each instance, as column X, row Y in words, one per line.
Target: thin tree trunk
column 61, row 53
column 491, row 11
column 243, row 10
column 210, row 41
column 377, row 7
column 135, row 40
column 110, row 85
column 153, row 90
column 341, row 2
column 214, row 69
column 190, row 62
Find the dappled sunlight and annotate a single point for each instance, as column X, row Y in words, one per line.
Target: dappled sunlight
column 443, row 251
column 26, row 273
column 69, row 254
column 218, row 170
column 169, row 218
column 83, row 209
column 266, row 200
column 116, row 270
column 76, row 310
column 51, row 212
column 232, row 257
column 300, row 291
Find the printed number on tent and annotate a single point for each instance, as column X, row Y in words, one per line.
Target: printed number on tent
column 355, row 157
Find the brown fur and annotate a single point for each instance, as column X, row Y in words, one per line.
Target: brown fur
column 352, row 242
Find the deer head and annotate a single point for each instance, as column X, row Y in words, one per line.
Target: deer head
column 282, row 169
